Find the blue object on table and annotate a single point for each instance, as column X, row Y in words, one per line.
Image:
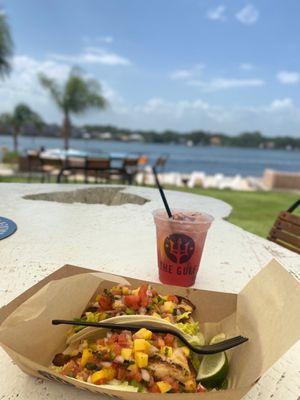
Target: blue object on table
column 7, row 227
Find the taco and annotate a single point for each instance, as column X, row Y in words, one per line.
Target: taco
column 123, row 301
column 141, row 361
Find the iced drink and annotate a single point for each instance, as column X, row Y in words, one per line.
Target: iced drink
column 180, row 242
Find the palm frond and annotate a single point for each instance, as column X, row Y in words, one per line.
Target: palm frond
column 6, row 46
column 53, row 88
column 81, row 93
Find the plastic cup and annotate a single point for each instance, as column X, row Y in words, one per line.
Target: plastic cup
column 180, row 243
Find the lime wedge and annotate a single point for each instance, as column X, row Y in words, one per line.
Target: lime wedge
column 213, row 370
column 218, row 338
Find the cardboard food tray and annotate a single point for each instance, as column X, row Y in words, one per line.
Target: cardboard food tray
column 266, row 311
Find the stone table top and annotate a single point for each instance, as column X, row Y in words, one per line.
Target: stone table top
column 121, row 239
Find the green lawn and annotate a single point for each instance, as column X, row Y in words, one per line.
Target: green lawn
column 252, row 211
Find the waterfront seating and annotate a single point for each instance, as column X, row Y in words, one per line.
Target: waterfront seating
column 72, row 166
column 98, row 168
column 50, row 166
column 286, row 229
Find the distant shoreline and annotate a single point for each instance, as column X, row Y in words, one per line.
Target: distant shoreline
column 116, row 140
column 230, row 161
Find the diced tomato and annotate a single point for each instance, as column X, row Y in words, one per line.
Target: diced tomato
column 173, row 298
column 132, row 301
column 100, row 382
column 105, row 303
column 114, row 338
column 116, row 348
column 144, row 299
column 169, row 339
column 137, row 376
column 122, row 340
column 159, row 343
column 121, row 373
column 154, row 388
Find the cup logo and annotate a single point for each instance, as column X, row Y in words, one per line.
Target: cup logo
column 179, row 247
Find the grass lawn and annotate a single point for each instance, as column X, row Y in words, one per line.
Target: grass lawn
column 252, row 211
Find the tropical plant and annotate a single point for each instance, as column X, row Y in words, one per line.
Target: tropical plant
column 6, row 46
column 75, row 96
column 21, row 116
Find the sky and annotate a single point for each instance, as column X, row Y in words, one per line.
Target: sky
column 223, row 66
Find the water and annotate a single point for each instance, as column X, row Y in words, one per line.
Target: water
column 229, row 161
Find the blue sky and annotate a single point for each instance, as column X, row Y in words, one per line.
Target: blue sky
column 224, row 66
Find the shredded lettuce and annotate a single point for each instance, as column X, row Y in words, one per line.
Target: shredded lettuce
column 192, row 329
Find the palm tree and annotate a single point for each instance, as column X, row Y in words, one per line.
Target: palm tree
column 6, row 46
column 21, row 116
column 75, row 96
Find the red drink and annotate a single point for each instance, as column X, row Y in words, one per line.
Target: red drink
column 180, row 243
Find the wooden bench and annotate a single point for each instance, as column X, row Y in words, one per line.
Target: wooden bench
column 286, row 229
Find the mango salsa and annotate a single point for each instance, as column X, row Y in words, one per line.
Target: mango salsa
column 141, row 345
column 126, row 354
column 164, row 386
column 86, row 355
column 141, row 359
column 143, row 333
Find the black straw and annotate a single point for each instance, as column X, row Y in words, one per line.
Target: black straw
column 162, row 194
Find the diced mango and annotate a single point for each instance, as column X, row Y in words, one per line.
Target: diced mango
column 125, row 290
column 126, row 353
column 186, row 350
column 141, row 359
column 141, row 345
column 167, row 351
column 190, row 385
column 143, row 333
column 106, row 373
column 133, row 368
column 168, row 307
column 164, row 387
column 167, row 319
column 135, row 291
column 86, row 355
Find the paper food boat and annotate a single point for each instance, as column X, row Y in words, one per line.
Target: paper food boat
column 266, row 311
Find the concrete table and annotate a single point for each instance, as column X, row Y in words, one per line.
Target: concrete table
column 121, row 239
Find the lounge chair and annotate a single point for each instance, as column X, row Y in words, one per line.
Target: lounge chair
column 286, row 229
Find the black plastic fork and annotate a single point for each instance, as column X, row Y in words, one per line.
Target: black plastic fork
column 206, row 349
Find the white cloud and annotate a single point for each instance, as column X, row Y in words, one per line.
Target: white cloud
column 246, row 66
column 226, row 83
column 217, row 14
column 93, row 55
column 281, row 104
column 279, row 116
column 181, row 74
column 247, row 15
column 288, row 77
column 187, row 73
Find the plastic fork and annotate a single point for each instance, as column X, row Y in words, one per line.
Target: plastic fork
column 206, row 349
